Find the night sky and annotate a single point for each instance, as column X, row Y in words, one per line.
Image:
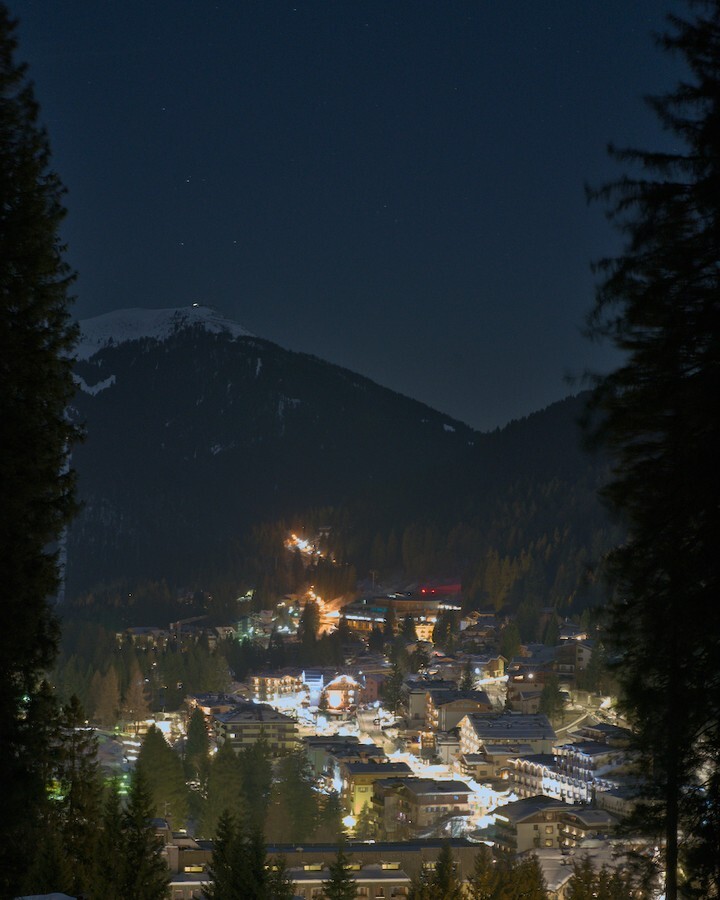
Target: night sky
column 397, row 187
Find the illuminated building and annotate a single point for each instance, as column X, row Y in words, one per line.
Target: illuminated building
column 273, row 684
column 340, row 757
column 145, row 637
column 445, row 708
column 372, row 682
column 478, row 730
column 488, row 666
column 382, row 869
column 406, row 807
column 524, row 699
column 314, row 680
column 247, row 724
column 342, row 693
column 580, row 823
column 588, row 760
column 212, row 704
column 541, row 822
column 577, row 772
column 413, row 696
column 320, row 751
column 528, row 824
column 359, row 777
column 494, row 762
column 369, row 612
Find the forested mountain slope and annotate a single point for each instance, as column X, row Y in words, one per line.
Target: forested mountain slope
column 204, row 443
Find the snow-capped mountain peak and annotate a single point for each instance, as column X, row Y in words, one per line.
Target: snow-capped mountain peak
column 132, row 324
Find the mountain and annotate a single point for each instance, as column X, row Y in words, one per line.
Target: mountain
column 196, row 430
column 204, row 442
column 125, row 325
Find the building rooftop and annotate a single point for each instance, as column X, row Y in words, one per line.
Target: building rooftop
column 252, row 712
column 421, row 786
column 608, row 731
column 424, row 684
column 378, row 848
column 442, row 696
column 508, row 726
column 353, row 751
column 379, row 768
column 593, row 818
column 539, row 759
column 334, row 740
column 519, row 810
column 519, row 749
column 589, row 748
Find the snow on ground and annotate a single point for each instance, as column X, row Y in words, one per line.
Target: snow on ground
column 132, row 324
column 95, row 388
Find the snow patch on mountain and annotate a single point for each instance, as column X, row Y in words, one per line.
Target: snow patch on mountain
column 132, row 324
column 220, row 448
column 285, row 403
column 94, row 389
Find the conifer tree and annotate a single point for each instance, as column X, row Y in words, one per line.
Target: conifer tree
column 145, row 874
column 419, row 888
column 407, row 628
column 441, row 883
column 257, row 780
column 329, row 820
column 365, row 827
column 376, row 641
column 256, row 877
column 444, row 882
column 551, row 700
column 107, row 877
column 340, row 884
column 659, row 304
column 294, row 806
column 483, row 882
column 467, row 681
column 238, row 867
column 390, row 622
column 50, row 868
column 583, row 884
column 196, row 745
column 163, row 771
column 510, row 641
column 136, row 706
column 79, row 786
column 105, row 693
column 309, row 625
column 528, row 880
column 587, row 883
column 391, row 688
column 223, row 875
column 36, row 485
column 225, row 790
column 279, row 884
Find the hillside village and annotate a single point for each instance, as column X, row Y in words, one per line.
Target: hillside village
column 437, row 725
column 274, row 629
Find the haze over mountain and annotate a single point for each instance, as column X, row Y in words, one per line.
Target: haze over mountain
column 198, row 430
